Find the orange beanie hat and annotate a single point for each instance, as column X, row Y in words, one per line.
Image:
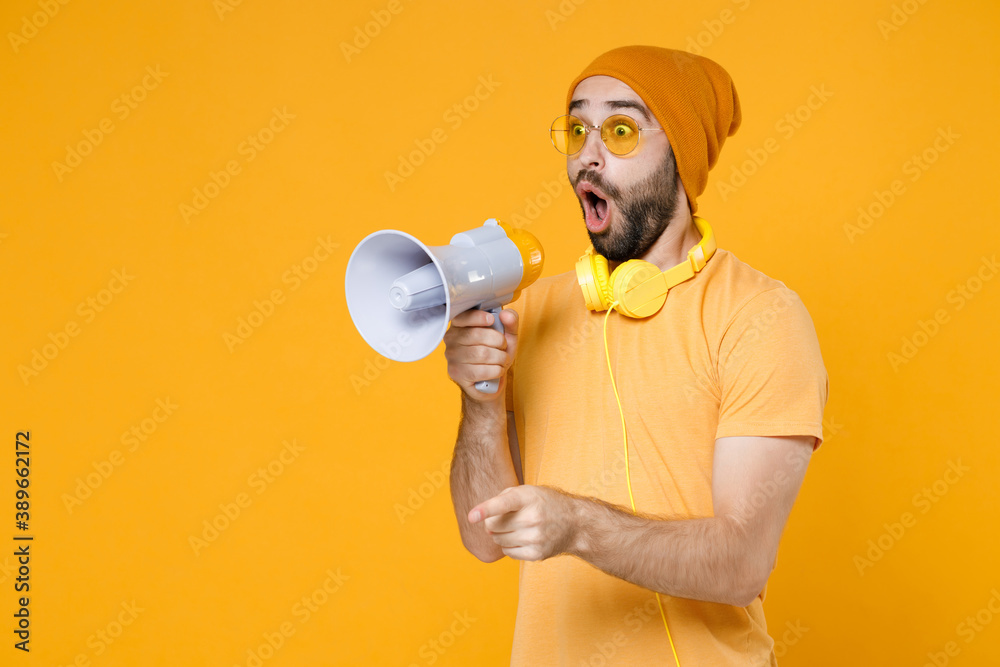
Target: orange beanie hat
column 692, row 97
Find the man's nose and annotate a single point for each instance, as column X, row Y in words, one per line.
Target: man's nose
column 592, row 154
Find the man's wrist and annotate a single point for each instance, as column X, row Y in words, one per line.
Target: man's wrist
column 582, row 518
column 487, row 411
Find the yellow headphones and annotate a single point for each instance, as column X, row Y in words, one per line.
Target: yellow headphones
column 638, row 288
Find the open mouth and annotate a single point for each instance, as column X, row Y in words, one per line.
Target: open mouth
column 595, row 207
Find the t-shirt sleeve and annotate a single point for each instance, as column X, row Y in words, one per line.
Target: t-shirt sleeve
column 771, row 373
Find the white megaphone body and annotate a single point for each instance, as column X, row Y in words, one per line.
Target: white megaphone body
column 402, row 294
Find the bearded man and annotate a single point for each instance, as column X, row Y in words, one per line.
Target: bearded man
column 640, row 463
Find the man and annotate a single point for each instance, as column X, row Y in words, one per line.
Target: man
column 722, row 394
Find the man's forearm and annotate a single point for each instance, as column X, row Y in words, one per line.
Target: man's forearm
column 709, row 559
column 480, row 469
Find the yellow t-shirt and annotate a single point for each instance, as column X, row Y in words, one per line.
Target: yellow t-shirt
column 732, row 352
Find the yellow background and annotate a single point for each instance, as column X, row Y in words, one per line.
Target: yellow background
column 374, row 435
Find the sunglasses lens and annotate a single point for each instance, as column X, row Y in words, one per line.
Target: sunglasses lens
column 568, row 134
column 620, row 134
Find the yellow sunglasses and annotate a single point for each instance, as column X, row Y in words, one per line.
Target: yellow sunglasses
column 620, row 134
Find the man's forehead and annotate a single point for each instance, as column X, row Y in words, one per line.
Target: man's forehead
column 607, row 93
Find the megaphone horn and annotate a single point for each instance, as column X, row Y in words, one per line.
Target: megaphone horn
column 402, row 294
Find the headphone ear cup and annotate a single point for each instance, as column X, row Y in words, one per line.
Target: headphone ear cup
column 592, row 274
column 639, row 287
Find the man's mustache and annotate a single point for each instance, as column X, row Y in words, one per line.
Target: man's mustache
column 595, row 178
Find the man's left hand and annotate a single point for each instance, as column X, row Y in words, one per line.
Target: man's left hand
column 529, row 522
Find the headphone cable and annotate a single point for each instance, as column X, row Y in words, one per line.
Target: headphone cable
column 628, row 479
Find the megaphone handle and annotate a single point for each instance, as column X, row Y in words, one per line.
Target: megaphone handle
column 491, row 386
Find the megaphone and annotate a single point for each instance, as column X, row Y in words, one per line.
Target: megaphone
column 402, row 294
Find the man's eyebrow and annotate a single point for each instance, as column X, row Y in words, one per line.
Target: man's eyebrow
column 612, row 104
column 628, row 104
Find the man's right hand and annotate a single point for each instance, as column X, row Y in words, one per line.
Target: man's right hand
column 476, row 352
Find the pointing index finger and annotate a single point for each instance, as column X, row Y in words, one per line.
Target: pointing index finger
column 506, row 501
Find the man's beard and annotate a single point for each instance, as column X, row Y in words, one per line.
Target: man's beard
column 645, row 207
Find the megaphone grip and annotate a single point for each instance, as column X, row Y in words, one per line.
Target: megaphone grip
column 491, row 386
